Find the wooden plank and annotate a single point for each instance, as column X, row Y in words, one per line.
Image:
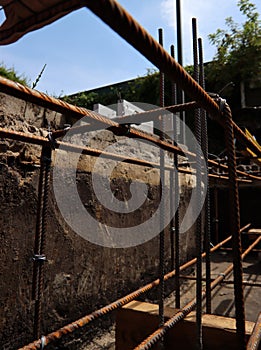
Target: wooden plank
column 136, row 320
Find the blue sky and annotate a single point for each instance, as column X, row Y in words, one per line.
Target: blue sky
column 82, row 53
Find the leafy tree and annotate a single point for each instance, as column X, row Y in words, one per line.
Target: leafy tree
column 238, row 57
column 11, row 74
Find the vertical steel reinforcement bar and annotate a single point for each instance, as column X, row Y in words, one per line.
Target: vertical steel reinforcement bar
column 204, row 143
column 235, row 227
column 172, row 190
column 162, row 199
column 199, row 195
column 37, row 248
column 175, row 229
column 215, row 219
column 180, row 92
column 40, row 237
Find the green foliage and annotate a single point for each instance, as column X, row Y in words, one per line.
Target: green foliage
column 238, row 56
column 11, row 74
column 82, row 99
column 145, row 89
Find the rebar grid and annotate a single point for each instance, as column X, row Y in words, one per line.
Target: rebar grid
column 118, row 303
column 39, row 140
column 118, row 19
column 154, row 338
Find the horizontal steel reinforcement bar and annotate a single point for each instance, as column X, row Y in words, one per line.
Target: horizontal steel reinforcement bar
column 179, row 316
column 153, row 114
column 41, row 99
column 114, row 15
column 116, row 304
column 40, row 140
column 255, row 338
column 245, row 283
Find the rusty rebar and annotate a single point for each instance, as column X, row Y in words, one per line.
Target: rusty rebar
column 245, row 283
column 41, row 99
column 199, row 195
column 204, row 142
column 155, row 113
column 37, row 250
column 215, row 219
column 160, row 332
column 255, row 338
column 180, row 92
column 113, row 14
column 175, row 229
column 40, row 237
column 235, row 228
column 116, row 304
column 39, row 140
column 162, row 209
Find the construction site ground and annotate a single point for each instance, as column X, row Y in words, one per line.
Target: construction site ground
column 222, row 296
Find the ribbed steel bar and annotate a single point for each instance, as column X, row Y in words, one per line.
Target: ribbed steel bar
column 41, row 99
column 113, row 14
column 204, row 142
column 118, row 303
column 37, row 250
column 39, row 140
column 162, row 209
column 39, row 258
column 180, row 92
column 159, row 333
column 63, row 107
column 225, row 167
column 172, row 190
column 245, row 283
column 172, row 214
column 255, row 338
column 155, row 113
column 199, row 195
column 176, row 196
column 235, row 228
column 215, row 219
column 219, row 177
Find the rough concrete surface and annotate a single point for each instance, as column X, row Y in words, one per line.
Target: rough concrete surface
column 79, row 276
